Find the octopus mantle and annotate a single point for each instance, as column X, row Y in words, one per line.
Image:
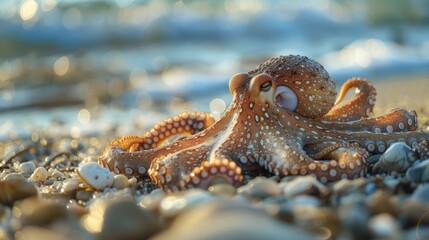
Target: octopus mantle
column 284, row 119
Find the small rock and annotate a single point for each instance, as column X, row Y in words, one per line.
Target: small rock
column 354, row 216
column 120, row 181
column 55, row 173
column 398, row 158
column 260, row 187
column 381, row 202
column 223, row 189
column 225, row 220
column 39, row 175
column 152, row 201
column 84, row 195
column 305, row 200
column 70, row 185
column 35, row 211
column 419, row 173
column 279, row 207
column 174, row 204
column 15, row 189
column 124, row 220
column 306, row 185
column 95, row 175
column 14, row 176
column 413, row 213
column 421, row 193
column 321, row 221
column 384, row 226
column 27, row 167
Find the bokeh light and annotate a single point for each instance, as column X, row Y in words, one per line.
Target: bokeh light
column 28, row 9
column 61, row 65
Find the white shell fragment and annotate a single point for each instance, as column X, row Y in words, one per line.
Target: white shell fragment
column 95, row 175
column 398, row 157
column 40, row 174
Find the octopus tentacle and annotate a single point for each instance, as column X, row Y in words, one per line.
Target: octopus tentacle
column 376, row 143
column 358, row 107
column 397, row 120
column 346, row 161
column 129, row 154
column 211, row 172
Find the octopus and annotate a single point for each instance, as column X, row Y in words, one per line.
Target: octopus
column 284, row 120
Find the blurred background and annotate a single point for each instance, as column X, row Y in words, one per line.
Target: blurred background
column 74, row 67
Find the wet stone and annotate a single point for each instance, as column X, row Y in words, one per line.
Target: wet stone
column 225, row 220
column 384, row 226
column 279, row 207
column 84, row 195
column 381, row 202
column 412, row 212
column 27, row 167
column 174, row 204
column 224, row 190
column 354, row 216
column 321, row 221
column 38, row 212
column 307, row 185
column 152, row 201
column 125, row 220
column 120, row 181
column 398, row 158
column 421, row 193
column 419, row 173
column 15, row 189
column 259, row 188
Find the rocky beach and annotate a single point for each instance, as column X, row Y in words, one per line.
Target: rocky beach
column 74, row 75
column 43, row 196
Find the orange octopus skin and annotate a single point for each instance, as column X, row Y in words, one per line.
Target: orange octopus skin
column 283, row 119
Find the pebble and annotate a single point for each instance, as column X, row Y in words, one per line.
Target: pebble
column 124, row 220
column 70, row 185
column 306, row 185
column 40, row 174
column 413, row 212
column 36, row 211
column 174, row 204
column 84, row 195
column 419, row 173
column 381, row 202
column 14, row 176
column 120, row 181
column 421, row 193
column 15, row 189
column 223, row 189
column 226, row 220
column 55, row 173
column 384, row 226
column 398, row 157
column 321, row 221
column 259, row 188
column 354, row 216
column 152, row 201
column 279, row 207
column 95, row 175
column 27, row 167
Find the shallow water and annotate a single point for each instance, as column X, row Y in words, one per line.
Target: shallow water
column 86, row 68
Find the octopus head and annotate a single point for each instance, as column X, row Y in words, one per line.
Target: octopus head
column 294, row 83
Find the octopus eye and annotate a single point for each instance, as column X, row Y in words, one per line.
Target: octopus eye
column 266, row 86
